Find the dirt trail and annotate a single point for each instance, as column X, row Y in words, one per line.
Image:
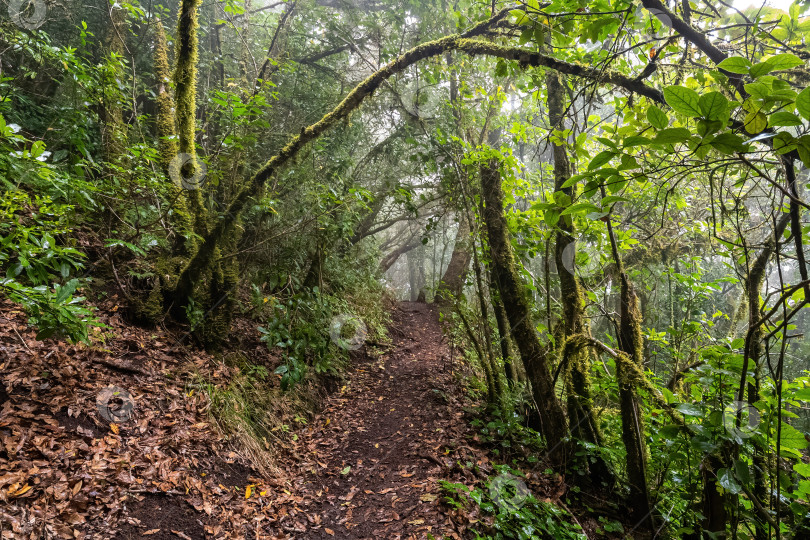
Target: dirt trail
column 371, row 460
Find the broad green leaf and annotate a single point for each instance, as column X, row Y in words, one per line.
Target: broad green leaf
column 792, row 438
column 628, row 162
column 689, row 409
column 758, row 89
column 683, row 100
column 783, row 118
column 635, row 140
column 707, row 127
column 571, row 181
column 520, row 17
column 671, row 136
column 755, row 122
column 580, row 208
column 616, row 184
column 784, row 143
column 551, row 217
column 657, row 118
column 735, row 64
column 727, row 143
column 610, row 199
column 784, row 61
column 713, row 105
column 803, row 469
column 726, row 480
column 803, row 103
column 601, row 158
column 760, row 69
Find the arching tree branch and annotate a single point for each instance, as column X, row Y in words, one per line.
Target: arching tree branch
column 460, row 42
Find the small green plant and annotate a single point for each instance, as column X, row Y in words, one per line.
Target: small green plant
column 36, row 265
column 513, row 512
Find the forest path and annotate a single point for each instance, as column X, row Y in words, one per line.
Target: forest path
column 370, row 462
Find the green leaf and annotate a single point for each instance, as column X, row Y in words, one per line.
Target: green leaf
column 784, row 61
column 760, row 69
column 803, row 469
column 803, row 103
column 727, row 143
column 601, row 158
column 657, row 118
column 683, row 100
column 635, row 140
column 610, row 199
column 726, row 480
column 571, row 181
column 580, row 208
column 735, row 64
column 689, row 409
column 713, row 105
column 671, row 136
column 707, row 127
column 346, row 470
column 755, row 122
column 792, row 438
column 758, row 89
column 783, row 118
column 551, row 217
column 784, row 143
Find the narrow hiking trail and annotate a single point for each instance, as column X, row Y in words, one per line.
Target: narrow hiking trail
column 367, row 466
column 370, row 462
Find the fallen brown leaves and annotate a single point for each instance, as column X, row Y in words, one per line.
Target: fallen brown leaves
column 66, row 471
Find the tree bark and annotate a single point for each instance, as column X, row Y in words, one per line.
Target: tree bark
column 580, row 407
column 518, row 311
column 454, row 277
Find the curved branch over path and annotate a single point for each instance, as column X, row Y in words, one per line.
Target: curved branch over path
column 364, row 90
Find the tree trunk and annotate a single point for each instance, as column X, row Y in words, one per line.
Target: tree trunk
column 518, row 311
column 112, row 122
column 580, row 406
column 504, row 331
column 631, row 343
column 416, row 271
column 454, row 277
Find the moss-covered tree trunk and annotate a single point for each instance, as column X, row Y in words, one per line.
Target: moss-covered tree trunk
column 631, row 343
column 185, row 88
column 508, row 355
column 165, row 122
column 518, row 311
column 578, row 364
column 754, row 280
column 113, row 137
column 207, row 299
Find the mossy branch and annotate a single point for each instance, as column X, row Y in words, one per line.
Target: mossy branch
column 634, row 373
column 364, row 90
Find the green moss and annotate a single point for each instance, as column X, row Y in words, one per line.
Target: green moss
column 185, row 73
column 165, row 120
